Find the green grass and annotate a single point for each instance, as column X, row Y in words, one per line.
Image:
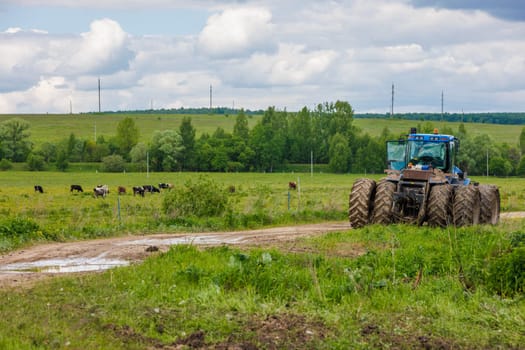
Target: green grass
column 353, row 289
column 498, row 132
column 260, row 199
column 55, row 127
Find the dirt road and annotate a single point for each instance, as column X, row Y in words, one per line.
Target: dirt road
column 46, row 260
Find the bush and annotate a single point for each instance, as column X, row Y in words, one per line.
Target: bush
column 202, row 198
column 5, row 164
column 35, row 162
column 113, row 164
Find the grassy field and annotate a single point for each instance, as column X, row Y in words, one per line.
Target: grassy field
column 259, row 200
column 400, row 287
column 377, row 287
column 52, row 128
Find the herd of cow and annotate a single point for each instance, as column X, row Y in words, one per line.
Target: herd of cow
column 103, row 190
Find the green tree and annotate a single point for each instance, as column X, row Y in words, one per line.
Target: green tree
column 35, row 162
column 499, row 166
column 268, row 139
column 187, row 133
column 139, row 155
column 127, row 136
column 522, row 141
column 241, row 129
column 166, row 147
column 62, row 162
column 14, row 139
column 339, row 154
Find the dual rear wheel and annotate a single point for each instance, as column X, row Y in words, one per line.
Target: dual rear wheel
column 462, row 206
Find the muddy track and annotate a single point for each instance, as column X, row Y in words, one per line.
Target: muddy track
column 23, row 266
column 27, row 265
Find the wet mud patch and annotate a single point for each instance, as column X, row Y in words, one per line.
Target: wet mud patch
column 379, row 337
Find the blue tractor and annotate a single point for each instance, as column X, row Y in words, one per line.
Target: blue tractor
column 423, row 186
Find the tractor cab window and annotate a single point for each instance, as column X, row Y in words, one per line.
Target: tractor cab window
column 396, row 151
column 428, row 153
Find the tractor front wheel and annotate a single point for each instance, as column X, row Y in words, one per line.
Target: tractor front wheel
column 361, row 202
column 384, row 199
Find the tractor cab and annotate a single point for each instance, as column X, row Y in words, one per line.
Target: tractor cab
column 423, row 152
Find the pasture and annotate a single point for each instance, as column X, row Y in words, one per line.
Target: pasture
column 399, row 286
column 259, row 199
column 55, row 127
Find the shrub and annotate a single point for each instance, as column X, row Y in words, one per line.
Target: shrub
column 5, row 164
column 199, row 198
column 35, row 162
column 113, row 164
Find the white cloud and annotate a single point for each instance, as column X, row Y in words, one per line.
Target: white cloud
column 103, row 49
column 260, row 53
column 237, row 31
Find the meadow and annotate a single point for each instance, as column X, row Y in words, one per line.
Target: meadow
column 260, row 199
column 378, row 287
column 55, row 127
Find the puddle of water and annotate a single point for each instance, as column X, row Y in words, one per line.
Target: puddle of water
column 66, row 265
column 198, row 240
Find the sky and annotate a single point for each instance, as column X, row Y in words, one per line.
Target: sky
column 467, row 54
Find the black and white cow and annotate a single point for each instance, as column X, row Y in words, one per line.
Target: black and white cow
column 150, row 189
column 101, row 191
column 39, row 188
column 138, row 190
column 165, row 186
column 77, row 188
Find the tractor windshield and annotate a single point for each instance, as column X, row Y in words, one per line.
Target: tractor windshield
column 427, row 153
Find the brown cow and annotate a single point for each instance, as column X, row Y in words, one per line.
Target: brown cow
column 292, row 185
column 121, row 190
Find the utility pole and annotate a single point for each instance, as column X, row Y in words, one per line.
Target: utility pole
column 392, row 105
column 441, row 105
column 99, row 95
column 210, row 98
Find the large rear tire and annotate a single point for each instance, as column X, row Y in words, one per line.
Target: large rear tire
column 466, row 208
column 384, row 199
column 361, row 202
column 439, row 206
column 490, row 204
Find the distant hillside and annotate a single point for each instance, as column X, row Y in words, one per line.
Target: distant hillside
column 484, row 118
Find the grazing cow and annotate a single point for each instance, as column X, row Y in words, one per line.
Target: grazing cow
column 138, row 190
column 101, row 191
column 150, row 189
column 165, row 185
column 292, row 185
column 121, row 190
column 77, row 188
column 39, row 188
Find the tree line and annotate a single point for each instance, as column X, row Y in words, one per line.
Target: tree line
column 322, row 135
